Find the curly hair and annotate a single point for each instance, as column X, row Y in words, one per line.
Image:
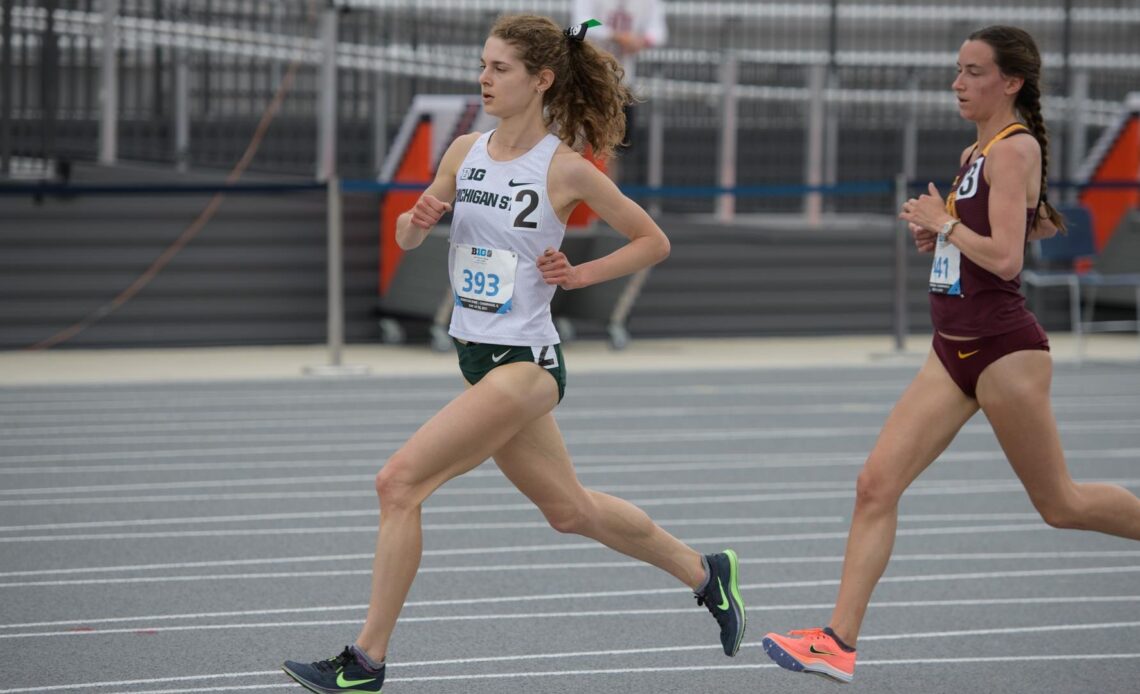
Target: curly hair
column 586, row 100
column 1016, row 55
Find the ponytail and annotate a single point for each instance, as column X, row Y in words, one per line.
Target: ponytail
column 1029, row 106
column 584, row 104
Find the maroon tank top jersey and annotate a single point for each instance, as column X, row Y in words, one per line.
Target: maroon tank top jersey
column 965, row 299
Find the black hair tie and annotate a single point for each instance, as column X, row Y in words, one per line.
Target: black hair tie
column 577, row 32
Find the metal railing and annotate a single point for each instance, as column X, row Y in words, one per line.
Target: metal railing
column 180, row 76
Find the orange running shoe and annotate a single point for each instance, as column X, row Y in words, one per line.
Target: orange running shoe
column 811, row 650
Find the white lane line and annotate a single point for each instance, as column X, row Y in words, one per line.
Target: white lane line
column 1103, row 570
column 586, row 464
column 221, row 424
column 169, row 398
column 176, row 395
column 973, row 602
column 457, row 490
column 371, row 442
column 229, row 451
column 918, row 490
column 294, row 433
column 676, row 649
column 513, row 549
column 218, row 422
column 374, row 513
column 150, row 420
column 623, row 652
column 310, row 481
column 504, row 488
column 681, row 668
column 506, row 525
column 564, row 566
column 568, row 566
column 84, row 629
column 431, row 510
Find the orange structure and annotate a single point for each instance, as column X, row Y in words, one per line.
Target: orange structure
column 1119, row 162
column 415, row 167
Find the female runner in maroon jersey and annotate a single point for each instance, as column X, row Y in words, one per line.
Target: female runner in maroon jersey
column 989, row 352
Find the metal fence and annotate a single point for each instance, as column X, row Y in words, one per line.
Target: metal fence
column 744, row 93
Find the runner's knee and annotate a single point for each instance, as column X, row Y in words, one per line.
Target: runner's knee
column 566, row 517
column 874, row 491
column 570, row 515
column 394, row 486
column 1060, row 510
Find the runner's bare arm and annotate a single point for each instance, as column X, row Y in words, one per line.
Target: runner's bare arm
column 1008, row 168
column 413, row 226
column 647, row 245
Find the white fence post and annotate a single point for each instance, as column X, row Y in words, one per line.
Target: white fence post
column 1077, row 145
column 181, row 108
column 902, row 238
column 109, row 86
column 326, row 114
column 813, row 174
column 656, row 174
column 726, row 176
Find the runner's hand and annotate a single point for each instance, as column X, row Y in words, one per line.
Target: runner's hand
column 556, row 269
column 927, row 210
column 924, row 239
column 427, row 211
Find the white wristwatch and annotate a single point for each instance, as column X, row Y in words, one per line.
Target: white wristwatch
column 948, row 228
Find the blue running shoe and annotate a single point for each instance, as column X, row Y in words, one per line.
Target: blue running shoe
column 340, row 674
column 722, row 598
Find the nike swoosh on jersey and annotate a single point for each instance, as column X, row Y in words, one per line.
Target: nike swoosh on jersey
column 499, row 357
column 967, row 355
column 513, row 183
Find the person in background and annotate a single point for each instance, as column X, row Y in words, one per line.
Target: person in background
column 628, row 28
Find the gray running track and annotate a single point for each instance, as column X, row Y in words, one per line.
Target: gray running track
column 190, row 537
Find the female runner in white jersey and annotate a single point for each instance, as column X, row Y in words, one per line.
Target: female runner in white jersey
column 511, row 191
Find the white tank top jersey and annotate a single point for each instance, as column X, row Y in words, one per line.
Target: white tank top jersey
column 502, row 221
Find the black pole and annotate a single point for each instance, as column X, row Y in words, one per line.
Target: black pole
column 1067, row 86
column 6, row 105
column 833, row 36
column 49, row 82
column 831, row 127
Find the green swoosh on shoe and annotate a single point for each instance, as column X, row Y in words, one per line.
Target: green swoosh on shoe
column 723, row 596
column 344, row 684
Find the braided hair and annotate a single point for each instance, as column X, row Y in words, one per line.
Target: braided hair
column 1016, row 55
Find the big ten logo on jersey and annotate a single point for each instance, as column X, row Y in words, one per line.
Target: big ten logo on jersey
column 969, row 185
column 472, row 174
column 482, row 252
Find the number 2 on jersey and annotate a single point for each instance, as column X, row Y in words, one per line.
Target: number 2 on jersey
column 523, row 220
